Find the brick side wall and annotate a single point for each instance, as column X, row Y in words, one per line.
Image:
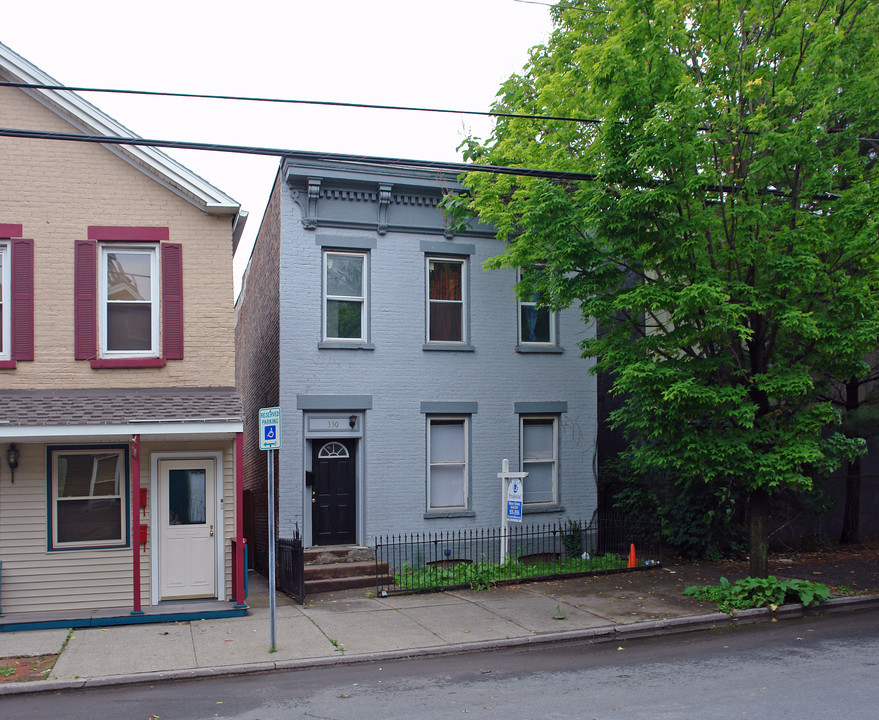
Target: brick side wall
column 56, row 191
column 256, row 371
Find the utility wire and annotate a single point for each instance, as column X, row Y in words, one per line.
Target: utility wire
column 291, row 101
column 282, row 152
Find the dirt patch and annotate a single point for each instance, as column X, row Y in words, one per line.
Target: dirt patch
column 26, row 669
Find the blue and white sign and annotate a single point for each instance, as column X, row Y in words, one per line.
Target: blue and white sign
column 270, row 428
column 514, row 501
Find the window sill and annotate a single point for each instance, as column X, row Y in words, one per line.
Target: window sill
column 448, row 347
column 430, row 515
column 8, row 364
column 331, row 345
column 545, row 349
column 99, row 363
column 529, row 510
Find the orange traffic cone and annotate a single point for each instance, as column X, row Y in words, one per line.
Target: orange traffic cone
column 633, row 560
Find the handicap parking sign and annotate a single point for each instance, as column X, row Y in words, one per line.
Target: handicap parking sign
column 270, row 428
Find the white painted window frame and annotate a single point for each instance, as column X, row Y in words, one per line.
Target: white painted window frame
column 465, row 423
column 104, row 249
column 6, row 300
column 552, row 322
column 524, row 462
column 463, row 302
column 363, row 299
column 122, row 495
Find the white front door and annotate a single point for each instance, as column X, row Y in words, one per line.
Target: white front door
column 187, row 536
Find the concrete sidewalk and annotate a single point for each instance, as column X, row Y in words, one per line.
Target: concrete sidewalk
column 350, row 627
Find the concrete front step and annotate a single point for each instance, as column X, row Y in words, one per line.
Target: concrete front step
column 344, row 583
column 329, row 554
column 339, row 570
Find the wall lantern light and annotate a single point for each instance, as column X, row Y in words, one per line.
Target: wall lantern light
column 12, row 460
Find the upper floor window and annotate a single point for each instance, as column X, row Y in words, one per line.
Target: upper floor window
column 129, row 302
column 16, row 296
column 539, row 458
column 128, row 297
column 446, row 282
column 344, row 300
column 5, row 304
column 536, row 324
column 448, row 463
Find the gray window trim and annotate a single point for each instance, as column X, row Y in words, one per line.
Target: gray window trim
column 334, row 402
column 331, row 345
column 449, row 407
column 438, row 247
column 546, row 349
column 541, row 408
column 448, row 347
column 341, row 242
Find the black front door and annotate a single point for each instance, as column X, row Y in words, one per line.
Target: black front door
column 333, row 492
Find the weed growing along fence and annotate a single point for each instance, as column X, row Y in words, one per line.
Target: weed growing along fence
column 471, row 558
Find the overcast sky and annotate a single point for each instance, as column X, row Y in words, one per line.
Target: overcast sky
column 448, row 54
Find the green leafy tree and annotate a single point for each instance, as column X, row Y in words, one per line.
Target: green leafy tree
column 726, row 237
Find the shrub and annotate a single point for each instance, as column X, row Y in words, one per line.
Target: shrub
column 759, row 592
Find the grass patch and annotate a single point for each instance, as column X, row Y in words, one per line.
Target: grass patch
column 484, row 574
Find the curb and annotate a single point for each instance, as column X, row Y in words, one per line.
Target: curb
column 608, row 633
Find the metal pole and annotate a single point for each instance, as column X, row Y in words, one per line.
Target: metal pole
column 271, row 457
column 505, row 523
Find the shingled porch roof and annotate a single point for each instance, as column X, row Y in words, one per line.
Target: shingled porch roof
column 41, row 414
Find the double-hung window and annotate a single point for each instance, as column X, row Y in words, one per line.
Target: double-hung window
column 536, row 324
column 16, row 296
column 539, row 444
column 88, row 494
column 446, row 300
column 128, row 291
column 128, row 297
column 448, row 463
column 5, row 303
column 345, row 283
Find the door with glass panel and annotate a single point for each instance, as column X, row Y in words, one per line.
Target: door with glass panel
column 333, row 493
column 187, row 529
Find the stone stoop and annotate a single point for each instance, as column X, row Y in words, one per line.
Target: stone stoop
column 342, row 567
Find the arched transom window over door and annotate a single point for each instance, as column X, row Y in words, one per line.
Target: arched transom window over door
column 333, row 450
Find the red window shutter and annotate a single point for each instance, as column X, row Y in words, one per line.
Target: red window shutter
column 85, row 299
column 172, row 301
column 22, row 296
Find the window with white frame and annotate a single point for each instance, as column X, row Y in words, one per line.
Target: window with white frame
column 129, row 301
column 539, row 445
column 448, row 463
column 446, row 301
column 88, row 489
column 536, row 324
column 344, row 303
column 5, row 303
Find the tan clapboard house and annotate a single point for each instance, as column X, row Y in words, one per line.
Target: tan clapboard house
column 120, row 428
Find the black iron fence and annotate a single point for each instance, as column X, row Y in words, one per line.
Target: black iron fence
column 610, row 542
column 291, row 567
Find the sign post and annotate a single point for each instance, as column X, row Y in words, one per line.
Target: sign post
column 270, row 440
column 511, row 499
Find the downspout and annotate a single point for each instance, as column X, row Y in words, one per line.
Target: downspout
column 135, row 524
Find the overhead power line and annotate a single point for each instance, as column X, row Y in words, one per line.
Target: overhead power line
column 283, row 152
column 291, row 101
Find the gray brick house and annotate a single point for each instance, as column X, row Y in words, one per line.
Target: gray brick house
column 405, row 372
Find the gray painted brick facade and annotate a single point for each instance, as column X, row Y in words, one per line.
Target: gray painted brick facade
column 391, row 383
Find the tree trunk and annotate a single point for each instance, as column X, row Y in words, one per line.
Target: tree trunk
column 852, row 515
column 759, row 537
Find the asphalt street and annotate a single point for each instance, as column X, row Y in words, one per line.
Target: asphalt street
column 809, row 668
